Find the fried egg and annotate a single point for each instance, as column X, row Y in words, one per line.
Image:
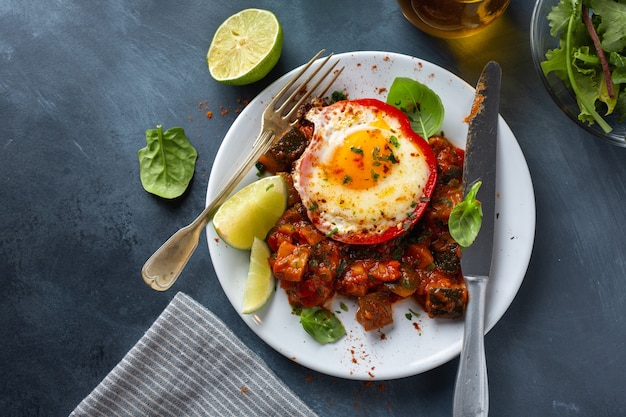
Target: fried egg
column 365, row 176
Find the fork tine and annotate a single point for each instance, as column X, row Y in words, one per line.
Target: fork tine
column 302, row 85
column 293, row 80
column 330, row 83
column 312, row 89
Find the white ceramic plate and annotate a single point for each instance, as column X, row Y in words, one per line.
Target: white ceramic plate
column 408, row 346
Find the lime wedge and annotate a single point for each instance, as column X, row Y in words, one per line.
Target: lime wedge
column 260, row 284
column 251, row 212
column 245, row 47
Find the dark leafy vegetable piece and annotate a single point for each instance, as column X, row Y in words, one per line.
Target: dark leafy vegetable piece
column 338, row 96
column 322, row 324
column 167, row 163
column 283, row 154
column 446, row 302
column 375, row 310
column 466, row 218
column 421, row 104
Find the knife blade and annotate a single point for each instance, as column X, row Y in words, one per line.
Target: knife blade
column 480, row 165
column 471, row 394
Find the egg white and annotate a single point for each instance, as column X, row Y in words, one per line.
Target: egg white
column 339, row 210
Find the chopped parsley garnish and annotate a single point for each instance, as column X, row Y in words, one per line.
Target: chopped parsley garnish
column 338, row 96
column 356, row 150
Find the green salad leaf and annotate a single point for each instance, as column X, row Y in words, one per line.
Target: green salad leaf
column 167, row 163
column 466, row 218
column 421, row 104
column 591, row 55
column 322, row 324
column 612, row 26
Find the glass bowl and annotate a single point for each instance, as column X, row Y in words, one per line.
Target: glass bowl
column 540, row 42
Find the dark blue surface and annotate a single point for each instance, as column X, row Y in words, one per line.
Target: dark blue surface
column 81, row 82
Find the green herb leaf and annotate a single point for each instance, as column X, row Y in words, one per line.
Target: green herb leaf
column 421, row 104
column 338, row 96
column 322, row 324
column 466, row 218
column 167, row 163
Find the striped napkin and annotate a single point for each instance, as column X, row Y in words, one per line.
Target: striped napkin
column 190, row 364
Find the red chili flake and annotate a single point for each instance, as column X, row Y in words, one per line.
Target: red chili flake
column 417, row 327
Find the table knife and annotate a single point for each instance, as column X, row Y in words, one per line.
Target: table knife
column 471, row 394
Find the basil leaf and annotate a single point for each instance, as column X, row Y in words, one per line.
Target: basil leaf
column 167, row 163
column 466, row 218
column 322, row 324
column 421, row 104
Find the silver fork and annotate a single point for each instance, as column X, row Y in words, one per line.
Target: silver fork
column 164, row 267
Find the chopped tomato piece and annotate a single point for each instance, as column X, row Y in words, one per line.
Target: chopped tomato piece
column 363, row 275
column 290, row 261
column 406, row 285
column 418, row 255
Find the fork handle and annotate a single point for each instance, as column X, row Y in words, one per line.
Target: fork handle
column 165, row 265
column 471, row 393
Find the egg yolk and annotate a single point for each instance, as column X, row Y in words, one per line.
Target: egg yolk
column 364, row 158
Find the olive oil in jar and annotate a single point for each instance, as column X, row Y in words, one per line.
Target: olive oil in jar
column 452, row 18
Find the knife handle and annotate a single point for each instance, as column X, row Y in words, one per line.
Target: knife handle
column 471, row 393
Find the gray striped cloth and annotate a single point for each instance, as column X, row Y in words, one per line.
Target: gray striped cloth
column 190, row 364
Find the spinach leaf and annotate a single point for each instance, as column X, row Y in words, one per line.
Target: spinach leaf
column 466, row 218
column 167, row 163
column 322, row 324
column 421, row 104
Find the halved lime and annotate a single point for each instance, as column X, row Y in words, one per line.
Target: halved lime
column 260, row 284
column 245, row 47
column 251, row 212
